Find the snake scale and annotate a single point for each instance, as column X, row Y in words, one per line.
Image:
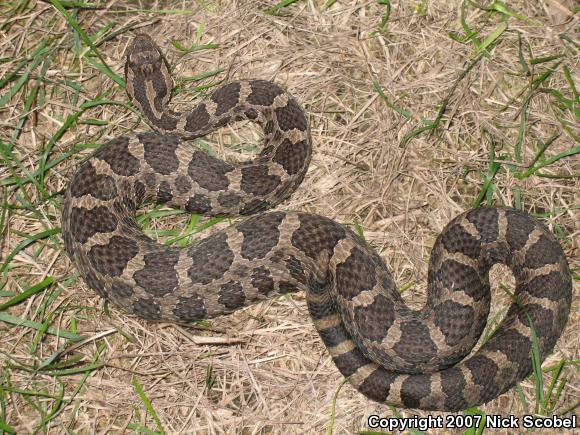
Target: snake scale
column 392, row 354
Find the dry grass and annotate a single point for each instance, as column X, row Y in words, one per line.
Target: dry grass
column 264, row 370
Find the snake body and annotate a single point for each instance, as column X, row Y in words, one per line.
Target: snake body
column 391, row 354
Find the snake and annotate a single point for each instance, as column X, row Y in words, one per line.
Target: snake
column 418, row 359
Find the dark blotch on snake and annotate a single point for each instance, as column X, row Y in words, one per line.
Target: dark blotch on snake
column 413, row 389
column 356, row 274
column 190, row 308
column 334, row 335
column 415, row 342
column 263, row 93
column 316, row 235
column 551, row 286
column 453, row 385
column 182, row 184
column 87, row 181
column 375, row 319
column 457, row 276
column 164, row 193
column 454, row 320
column 85, row 223
column 540, row 317
column 292, row 156
column 147, row 308
column 116, row 154
column 349, row 362
column 513, row 345
column 167, row 122
column 226, row 98
column 211, row 258
column 112, row 258
column 209, row 172
column 456, row 239
column 286, row 287
column 223, row 120
column 261, row 234
column 257, row 181
column 228, row 200
column 544, row 251
column 198, row 120
column 262, row 279
column 519, row 226
column 486, row 222
column 231, row 295
column 483, row 369
column 198, row 204
column 150, row 180
column 160, row 151
column 251, row 114
column 291, row 116
column 158, row 276
column 121, row 289
column 93, row 281
column 378, row 384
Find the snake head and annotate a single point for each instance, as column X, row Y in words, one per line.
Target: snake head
column 144, row 57
column 146, row 68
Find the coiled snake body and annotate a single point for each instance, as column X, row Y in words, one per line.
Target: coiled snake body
column 391, row 353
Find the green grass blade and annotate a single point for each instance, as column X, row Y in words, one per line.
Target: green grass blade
column 147, row 404
column 537, row 366
column 404, row 112
column 87, row 40
column 333, row 406
column 37, row 288
column 6, row 427
column 17, row 321
column 194, row 47
column 37, row 57
column 567, row 153
column 274, row 10
column 25, row 243
column 491, row 39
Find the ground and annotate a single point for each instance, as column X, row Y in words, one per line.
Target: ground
column 419, row 110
